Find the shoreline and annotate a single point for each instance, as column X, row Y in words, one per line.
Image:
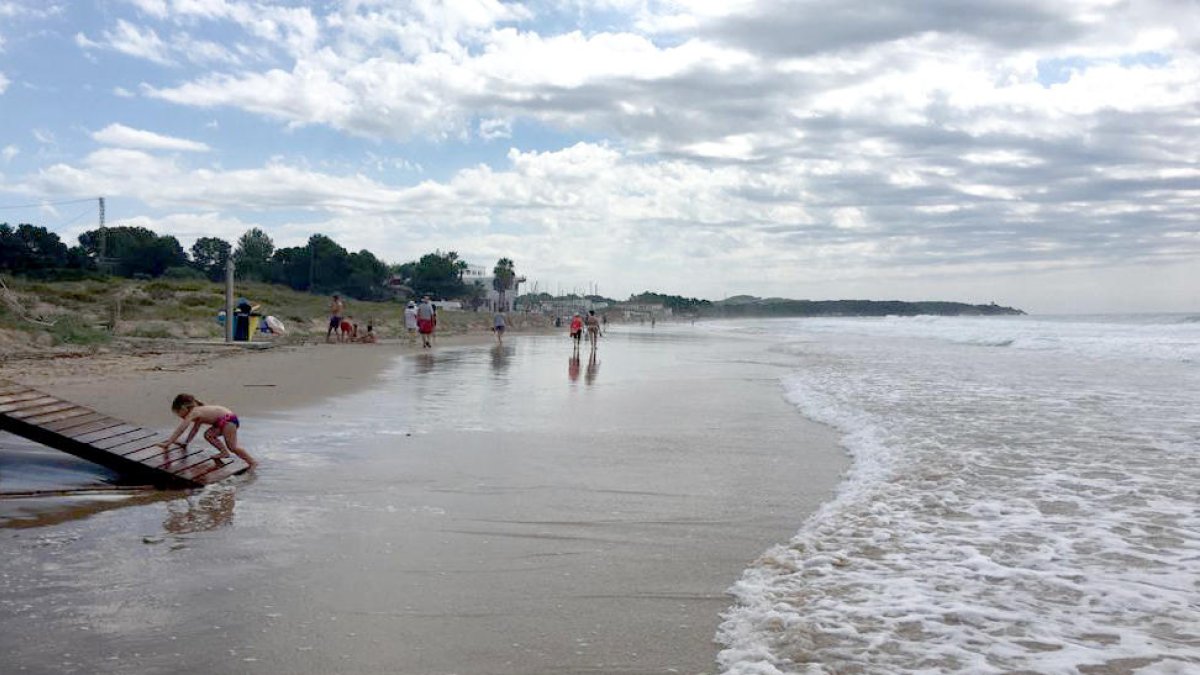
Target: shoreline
column 136, row 383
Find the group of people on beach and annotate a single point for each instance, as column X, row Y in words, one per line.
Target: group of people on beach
column 591, row 323
column 419, row 318
column 344, row 328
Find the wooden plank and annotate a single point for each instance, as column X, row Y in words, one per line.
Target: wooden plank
column 94, row 437
column 43, row 419
column 123, row 439
column 192, row 461
column 175, row 465
column 28, row 403
column 157, row 458
column 19, row 396
column 210, row 472
column 75, row 429
column 139, row 451
column 65, row 426
column 26, row 413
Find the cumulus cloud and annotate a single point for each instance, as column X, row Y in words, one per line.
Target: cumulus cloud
column 595, row 202
column 127, row 137
column 809, row 139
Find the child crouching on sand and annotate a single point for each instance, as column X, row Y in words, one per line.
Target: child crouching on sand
column 223, row 424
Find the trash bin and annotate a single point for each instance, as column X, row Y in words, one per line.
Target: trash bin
column 241, row 327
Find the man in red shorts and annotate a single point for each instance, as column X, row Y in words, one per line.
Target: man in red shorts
column 425, row 322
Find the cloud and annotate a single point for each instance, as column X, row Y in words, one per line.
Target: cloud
column 807, row 141
column 594, row 202
column 4, row 82
column 493, row 128
column 131, row 40
column 126, row 137
column 9, row 152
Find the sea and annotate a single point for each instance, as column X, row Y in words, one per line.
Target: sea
column 1023, row 499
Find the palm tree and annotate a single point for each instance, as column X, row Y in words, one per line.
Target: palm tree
column 503, row 277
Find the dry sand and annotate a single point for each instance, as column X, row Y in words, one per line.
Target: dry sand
column 138, row 384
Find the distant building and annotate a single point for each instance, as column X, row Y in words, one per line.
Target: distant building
column 645, row 310
column 396, row 286
column 478, row 274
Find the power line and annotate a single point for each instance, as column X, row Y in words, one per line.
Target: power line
column 72, row 220
column 38, row 204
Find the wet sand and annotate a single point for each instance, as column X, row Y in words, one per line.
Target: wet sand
column 473, row 510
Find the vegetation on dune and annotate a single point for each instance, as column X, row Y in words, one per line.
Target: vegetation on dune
column 133, row 282
column 321, row 266
column 93, row 311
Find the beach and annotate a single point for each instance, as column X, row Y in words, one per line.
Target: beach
column 471, row 509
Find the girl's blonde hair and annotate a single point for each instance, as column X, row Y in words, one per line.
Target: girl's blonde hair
column 184, row 401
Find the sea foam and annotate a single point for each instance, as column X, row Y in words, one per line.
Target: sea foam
column 1029, row 506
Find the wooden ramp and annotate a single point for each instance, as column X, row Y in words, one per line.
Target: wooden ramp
column 125, row 448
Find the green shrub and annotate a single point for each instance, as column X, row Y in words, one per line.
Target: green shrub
column 70, row 329
column 190, row 273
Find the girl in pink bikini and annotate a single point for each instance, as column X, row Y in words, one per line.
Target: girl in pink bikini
column 223, row 426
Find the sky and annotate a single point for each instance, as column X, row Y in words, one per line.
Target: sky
column 1043, row 155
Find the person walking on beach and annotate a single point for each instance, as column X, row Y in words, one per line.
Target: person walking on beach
column 222, row 430
column 336, row 308
column 498, row 324
column 593, row 328
column 576, row 329
column 410, row 320
column 425, row 322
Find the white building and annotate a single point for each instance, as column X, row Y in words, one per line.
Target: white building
column 478, row 274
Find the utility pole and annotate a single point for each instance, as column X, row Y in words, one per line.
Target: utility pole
column 229, row 299
column 103, row 233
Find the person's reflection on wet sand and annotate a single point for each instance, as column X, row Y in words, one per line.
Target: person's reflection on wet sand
column 211, row 509
column 593, row 368
column 573, row 366
column 425, row 363
column 500, row 355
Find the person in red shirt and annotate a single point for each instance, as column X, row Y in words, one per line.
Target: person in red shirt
column 576, row 329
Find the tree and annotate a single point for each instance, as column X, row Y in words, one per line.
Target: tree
column 253, row 255
column 329, row 264
column 136, row 250
column 291, row 267
column 503, row 277
column 209, row 255
column 29, row 248
column 367, row 276
column 474, row 294
column 438, row 275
